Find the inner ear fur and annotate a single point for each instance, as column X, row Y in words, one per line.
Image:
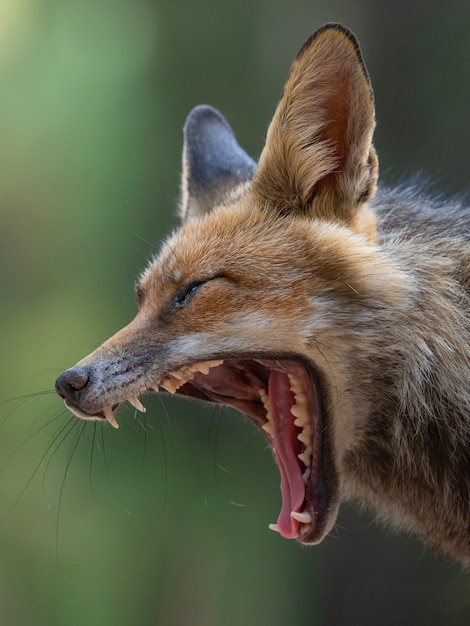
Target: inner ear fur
column 318, row 159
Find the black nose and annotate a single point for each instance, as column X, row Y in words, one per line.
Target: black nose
column 72, row 382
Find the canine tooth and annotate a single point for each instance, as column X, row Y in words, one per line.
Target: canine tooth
column 137, row 404
column 303, row 518
column 109, row 415
column 306, row 475
column 274, row 527
column 156, row 388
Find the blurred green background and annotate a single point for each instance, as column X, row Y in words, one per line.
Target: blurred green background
column 165, row 522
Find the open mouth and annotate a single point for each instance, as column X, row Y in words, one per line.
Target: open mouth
column 281, row 396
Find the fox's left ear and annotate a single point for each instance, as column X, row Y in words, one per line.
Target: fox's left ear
column 319, row 159
column 213, row 162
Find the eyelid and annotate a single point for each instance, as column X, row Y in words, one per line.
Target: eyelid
column 187, row 292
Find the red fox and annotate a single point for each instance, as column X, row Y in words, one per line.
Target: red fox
column 333, row 314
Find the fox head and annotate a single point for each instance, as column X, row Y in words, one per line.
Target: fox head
column 260, row 300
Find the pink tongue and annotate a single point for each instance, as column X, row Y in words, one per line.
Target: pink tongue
column 281, row 399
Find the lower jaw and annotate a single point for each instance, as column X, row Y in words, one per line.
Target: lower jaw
column 320, row 492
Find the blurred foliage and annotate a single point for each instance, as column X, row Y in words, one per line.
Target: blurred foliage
column 164, row 522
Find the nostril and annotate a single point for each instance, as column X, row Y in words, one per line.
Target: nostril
column 71, row 381
column 80, row 378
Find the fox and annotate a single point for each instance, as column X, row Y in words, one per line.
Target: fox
column 330, row 310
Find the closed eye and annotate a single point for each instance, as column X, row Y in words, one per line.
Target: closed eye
column 186, row 293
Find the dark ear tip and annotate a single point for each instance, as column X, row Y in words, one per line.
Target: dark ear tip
column 204, row 115
column 333, row 27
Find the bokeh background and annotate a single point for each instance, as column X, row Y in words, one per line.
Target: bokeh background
column 164, row 522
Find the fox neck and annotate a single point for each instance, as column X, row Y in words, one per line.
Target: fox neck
column 412, row 463
column 410, row 481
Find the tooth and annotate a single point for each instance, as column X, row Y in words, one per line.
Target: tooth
column 215, row 363
column 171, row 385
column 304, row 438
column 136, row 403
column 303, row 518
column 109, row 415
column 294, row 384
column 265, row 400
column 268, row 427
column 306, row 456
column 306, row 475
column 298, row 411
column 179, row 377
column 204, row 366
column 156, row 388
column 274, row 527
column 301, row 421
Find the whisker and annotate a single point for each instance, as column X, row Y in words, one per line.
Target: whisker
column 68, row 425
column 92, row 450
column 20, row 401
column 167, row 416
column 29, row 396
column 108, row 473
column 72, row 425
column 216, row 419
column 28, row 439
column 62, row 485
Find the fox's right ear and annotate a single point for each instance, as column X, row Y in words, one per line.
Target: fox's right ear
column 213, row 162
